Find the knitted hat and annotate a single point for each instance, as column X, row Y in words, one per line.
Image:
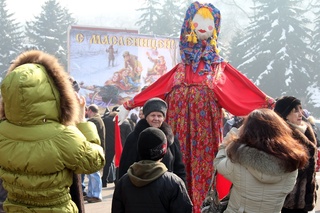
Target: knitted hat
column 155, row 105
column 152, row 144
column 285, row 104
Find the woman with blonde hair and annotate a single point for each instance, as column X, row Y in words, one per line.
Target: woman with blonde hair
column 261, row 159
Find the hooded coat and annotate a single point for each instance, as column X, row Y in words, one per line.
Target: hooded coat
column 40, row 146
column 172, row 159
column 149, row 187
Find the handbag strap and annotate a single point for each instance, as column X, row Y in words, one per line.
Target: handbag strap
column 213, row 179
column 212, row 187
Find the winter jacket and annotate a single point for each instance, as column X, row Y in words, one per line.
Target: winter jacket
column 172, row 159
column 149, row 187
column 40, row 147
column 125, row 130
column 97, row 120
column 260, row 183
column 304, row 195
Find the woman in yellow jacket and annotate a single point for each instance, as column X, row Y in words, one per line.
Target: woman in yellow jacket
column 44, row 138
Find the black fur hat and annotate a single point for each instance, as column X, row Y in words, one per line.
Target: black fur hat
column 285, row 104
column 152, row 144
column 155, row 105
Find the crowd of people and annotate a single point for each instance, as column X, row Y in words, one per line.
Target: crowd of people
column 50, row 140
column 269, row 155
column 196, row 90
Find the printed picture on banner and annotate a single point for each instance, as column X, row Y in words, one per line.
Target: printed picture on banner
column 112, row 65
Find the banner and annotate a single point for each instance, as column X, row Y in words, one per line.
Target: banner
column 113, row 65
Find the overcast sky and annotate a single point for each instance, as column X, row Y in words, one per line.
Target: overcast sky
column 98, row 12
column 23, row 11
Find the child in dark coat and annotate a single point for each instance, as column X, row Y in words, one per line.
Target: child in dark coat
column 148, row 186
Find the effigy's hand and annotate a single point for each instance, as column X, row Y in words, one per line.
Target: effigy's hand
column 271, row 102
column 122, row 114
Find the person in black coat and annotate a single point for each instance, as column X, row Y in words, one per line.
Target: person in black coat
column 125, row 130
column 154, row 112
column 148, row 186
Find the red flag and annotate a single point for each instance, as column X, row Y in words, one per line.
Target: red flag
column 117, row 141
column 223, row 186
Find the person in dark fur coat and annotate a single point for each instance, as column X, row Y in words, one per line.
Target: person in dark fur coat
column 303, row 196
column 154, row 111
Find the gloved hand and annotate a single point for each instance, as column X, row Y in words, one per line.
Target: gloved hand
column 122, row 114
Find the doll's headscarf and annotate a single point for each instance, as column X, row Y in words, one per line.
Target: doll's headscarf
column 191, row 53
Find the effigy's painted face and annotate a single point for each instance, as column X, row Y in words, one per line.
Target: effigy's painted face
column 203, row 27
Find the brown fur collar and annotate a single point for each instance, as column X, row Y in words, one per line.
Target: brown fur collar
column 304, row 195
column 307, row 138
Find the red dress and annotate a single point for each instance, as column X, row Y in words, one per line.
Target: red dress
column 195, row 100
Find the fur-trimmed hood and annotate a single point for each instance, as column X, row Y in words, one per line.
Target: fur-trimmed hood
column 37, row 89
column 143, row 124
column 261, row 161
column 260, row 181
